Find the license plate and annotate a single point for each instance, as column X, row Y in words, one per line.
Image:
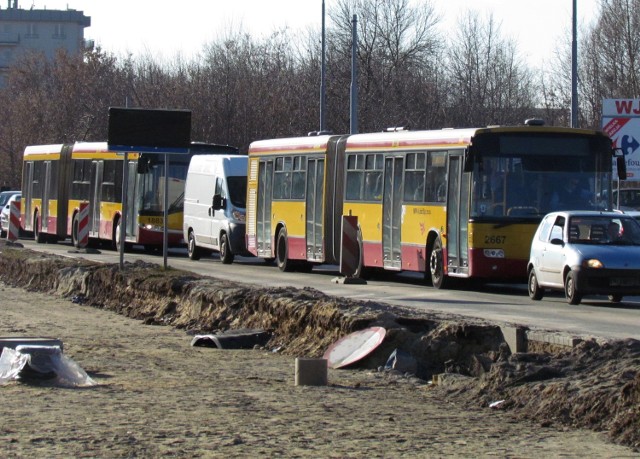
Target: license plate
column 624, row 282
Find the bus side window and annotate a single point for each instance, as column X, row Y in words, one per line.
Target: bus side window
column 373, row 177
column 355, row 179
column 282, row 178
column 414, row 178
column 436, row 177
column 298, row 179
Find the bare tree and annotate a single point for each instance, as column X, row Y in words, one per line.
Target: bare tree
column 611, row 60
column 397, row 47
column 489, row 84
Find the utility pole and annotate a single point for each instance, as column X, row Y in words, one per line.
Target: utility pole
column 574, row 67
column 323, row 99
column 354, row 77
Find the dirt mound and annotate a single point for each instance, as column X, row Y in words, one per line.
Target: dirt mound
column 593, row 385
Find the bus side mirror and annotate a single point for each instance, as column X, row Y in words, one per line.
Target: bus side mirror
column 621, row 166
column 143, row 165
column 468, row 160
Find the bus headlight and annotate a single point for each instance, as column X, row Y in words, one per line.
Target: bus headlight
column 149, row 227
column 494, row 253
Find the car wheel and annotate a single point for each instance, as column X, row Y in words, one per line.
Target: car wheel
column 535, row 291
column 436, row 265
column 226, row 257
column 615, row 298
column 571, row 290
column 282, row 252
column 192, row 249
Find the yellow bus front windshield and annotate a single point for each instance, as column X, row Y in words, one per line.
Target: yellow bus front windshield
column 517, row 187
column 152, row 188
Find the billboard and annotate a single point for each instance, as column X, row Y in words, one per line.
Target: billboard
column 149, row 130
column 621, row 122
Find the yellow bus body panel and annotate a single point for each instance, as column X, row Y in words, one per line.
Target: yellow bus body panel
column 418, row 220
column 292, row 214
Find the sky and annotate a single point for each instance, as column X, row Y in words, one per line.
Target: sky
column 164, row 29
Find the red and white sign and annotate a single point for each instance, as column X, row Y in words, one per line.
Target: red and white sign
column 83, row 225
column 13, row 231
column 621, row 122
column 350, row 249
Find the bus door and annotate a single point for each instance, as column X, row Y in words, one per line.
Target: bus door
column 314, row 199
column 263, row 213
column 457, row 217
column 392, row 213
column 27, row 195
column 46, row 195
column 134, row 184
column 95, row 197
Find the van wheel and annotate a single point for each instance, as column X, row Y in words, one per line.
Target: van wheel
column 192, row 248
column 282, row 252
column 226, row 256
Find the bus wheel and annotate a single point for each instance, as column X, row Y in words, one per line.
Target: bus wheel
column 615, row 298
column 361, row 272
column 226, row 256
column 74, row 232
column 282, row 252
column 436, row 265
column 37, row 233
column 192, row 249
column 117, row 241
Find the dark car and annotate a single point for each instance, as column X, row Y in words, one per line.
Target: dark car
column 585, row 253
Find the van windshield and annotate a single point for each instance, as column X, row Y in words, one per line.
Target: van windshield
column 4, row 197
column 238, row 190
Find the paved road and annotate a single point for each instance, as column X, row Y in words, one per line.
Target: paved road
column 499, row 303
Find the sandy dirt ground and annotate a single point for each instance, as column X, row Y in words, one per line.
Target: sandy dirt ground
column 157, row 396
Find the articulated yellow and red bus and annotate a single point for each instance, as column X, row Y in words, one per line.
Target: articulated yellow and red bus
column 56, row 179
column 452, row 203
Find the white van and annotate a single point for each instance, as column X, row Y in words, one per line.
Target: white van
column 214, row 206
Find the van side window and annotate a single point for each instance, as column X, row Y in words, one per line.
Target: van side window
column 219, row 188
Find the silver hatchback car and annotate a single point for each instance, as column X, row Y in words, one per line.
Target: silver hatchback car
column 585, row 253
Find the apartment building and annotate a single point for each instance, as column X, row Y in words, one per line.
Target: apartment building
column 43, row 31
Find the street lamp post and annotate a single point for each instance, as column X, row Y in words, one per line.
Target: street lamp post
column 574, row 67
column 323, row 99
